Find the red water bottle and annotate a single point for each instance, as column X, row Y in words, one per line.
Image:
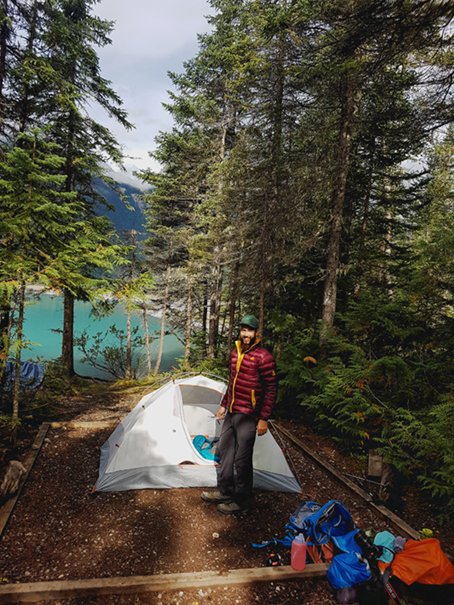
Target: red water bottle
column 298, row 553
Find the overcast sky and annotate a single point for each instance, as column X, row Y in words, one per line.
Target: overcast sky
column 150, row 37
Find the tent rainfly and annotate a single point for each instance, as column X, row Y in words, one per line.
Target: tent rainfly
column 152, row 447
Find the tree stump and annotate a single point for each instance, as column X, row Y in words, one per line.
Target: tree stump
column 14, row 472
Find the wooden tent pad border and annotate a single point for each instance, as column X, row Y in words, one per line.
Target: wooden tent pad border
column 7, row 509
column 39, row 591
column 396, row 521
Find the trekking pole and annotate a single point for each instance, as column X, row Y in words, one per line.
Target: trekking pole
column 372, row 553
column 391, row 593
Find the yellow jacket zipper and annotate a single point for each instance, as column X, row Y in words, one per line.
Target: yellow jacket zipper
column 238, row 366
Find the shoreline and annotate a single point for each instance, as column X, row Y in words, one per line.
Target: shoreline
column 41, row 289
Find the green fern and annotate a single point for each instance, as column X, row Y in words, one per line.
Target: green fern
column 422, row 448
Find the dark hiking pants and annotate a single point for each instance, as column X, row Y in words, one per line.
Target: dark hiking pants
column 235, row 449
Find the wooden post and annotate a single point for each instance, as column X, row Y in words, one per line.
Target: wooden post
column 374, row 464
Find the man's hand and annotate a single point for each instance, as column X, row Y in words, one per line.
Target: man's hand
column 262, row 427
column 220, row 413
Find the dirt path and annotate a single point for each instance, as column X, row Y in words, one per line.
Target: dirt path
column 59, row 530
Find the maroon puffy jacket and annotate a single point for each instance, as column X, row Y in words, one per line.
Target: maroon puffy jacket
column 252, row 383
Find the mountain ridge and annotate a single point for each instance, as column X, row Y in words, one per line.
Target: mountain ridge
column 125, row 216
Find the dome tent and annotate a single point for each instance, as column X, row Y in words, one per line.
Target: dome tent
column 152, row 446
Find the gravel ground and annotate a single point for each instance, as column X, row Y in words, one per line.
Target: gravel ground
column 60, row 530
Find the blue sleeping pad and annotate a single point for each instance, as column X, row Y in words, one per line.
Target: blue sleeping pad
column 205, row 446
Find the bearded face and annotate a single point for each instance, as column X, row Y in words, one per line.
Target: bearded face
column 247, row 336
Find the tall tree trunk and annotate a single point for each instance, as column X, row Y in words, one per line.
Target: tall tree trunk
column 272, row 202
column 128, row 343
column 232, row 306
column 163, row 326
column 25, row 110
column 67, row 351
column 364, row 222
column 215, row 308
column 4, row 35
column 17, row 362
column 205, row 309
column 216, row 280
column 262, row 295
column 147, row 338
column 5, row 330
column 385, row 273
column 68, row 304
column 132, row 241
column 188, row 328
column 338, row 200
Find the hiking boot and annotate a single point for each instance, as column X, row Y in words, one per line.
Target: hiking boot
column 231, row 508
column 215, row 496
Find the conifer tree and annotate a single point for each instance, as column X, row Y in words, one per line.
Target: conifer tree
column 50, row 73
column 21, row 90
column 34, row 216
column 72, row 36
column 360, row 48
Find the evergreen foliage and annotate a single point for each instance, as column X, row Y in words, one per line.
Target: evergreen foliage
column 51, row 153
column 308, row 178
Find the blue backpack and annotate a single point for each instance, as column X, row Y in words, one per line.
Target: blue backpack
column 330, row 521
column 318, row 523
column 348, row 569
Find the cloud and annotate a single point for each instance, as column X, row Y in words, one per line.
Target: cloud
column 153, row 28
column 150, row 37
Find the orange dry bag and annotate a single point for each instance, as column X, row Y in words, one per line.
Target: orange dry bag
column 423, row 561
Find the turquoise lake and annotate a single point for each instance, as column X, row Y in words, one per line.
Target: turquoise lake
column 44, row 317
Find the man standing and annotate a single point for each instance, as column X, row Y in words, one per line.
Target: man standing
column 245, row 408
